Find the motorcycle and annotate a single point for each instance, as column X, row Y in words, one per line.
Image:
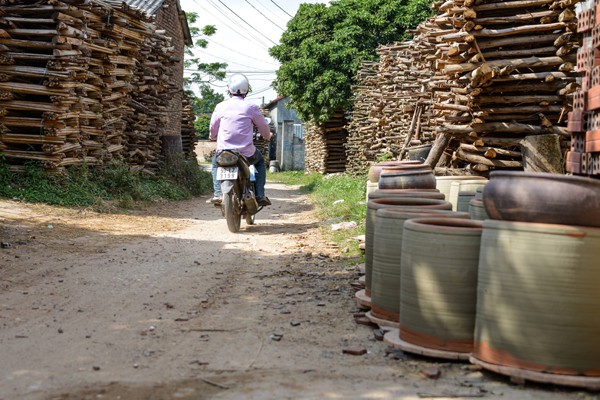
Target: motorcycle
column 235, row 174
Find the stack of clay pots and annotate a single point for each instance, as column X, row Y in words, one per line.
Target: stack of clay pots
column 537, row 296
column 523, row 266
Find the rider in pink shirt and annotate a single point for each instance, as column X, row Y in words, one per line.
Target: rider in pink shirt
column 232, row 126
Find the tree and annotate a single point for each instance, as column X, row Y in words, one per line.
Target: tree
column 203, row 108
column 323, row 47
column 205, row 75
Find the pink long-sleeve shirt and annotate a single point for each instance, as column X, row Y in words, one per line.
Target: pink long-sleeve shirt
column 232, row 125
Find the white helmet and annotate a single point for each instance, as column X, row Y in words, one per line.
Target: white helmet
column 238, row 84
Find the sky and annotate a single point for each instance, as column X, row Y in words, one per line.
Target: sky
column 245, row 31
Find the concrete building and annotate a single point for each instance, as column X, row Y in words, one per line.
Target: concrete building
column 289, row 143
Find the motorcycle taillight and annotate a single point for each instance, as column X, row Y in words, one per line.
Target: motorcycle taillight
column 227, row 158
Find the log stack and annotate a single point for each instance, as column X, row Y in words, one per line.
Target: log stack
column 82, row 82
column 325, row 145
column 584, row 121
column 504, row 71
column 188, row 131
column 392, row 105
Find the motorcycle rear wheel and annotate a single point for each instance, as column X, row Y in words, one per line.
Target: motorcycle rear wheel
column 231, row 208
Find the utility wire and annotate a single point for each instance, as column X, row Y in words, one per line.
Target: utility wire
column 282, row 9
column 271, row 12
column 267, row 18
column 244, row 21
column 255, row 40
column 238, row 52
column 228, row 61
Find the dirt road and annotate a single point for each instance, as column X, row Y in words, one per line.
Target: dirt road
column 165, row 303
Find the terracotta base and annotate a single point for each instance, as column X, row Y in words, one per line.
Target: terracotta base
column 392, row 338
column 362, row 299
column 381, row 322
column 542, row 377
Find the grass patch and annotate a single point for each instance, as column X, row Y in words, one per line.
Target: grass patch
column 338, row 198
column 114, row 185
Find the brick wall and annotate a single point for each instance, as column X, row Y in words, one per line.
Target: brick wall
column 167, row 18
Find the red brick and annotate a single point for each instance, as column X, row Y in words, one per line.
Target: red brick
column 593, row 98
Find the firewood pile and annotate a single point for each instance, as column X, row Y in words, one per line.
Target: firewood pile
column 188, row 131
column 584, row 121
column 68, row 72
column 392, row 105
column 325, row 145
column 504, row 71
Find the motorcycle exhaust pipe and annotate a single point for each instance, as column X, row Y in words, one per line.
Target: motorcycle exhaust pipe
column 251, row 203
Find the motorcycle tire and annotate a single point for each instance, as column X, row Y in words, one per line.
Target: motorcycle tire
column 231, row 209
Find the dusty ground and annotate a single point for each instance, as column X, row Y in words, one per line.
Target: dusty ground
column 165, row 303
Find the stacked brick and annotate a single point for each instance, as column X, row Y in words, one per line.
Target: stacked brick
column 188, row 131
column 584, row 121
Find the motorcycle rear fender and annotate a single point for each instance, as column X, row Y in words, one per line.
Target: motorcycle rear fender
column 226, row 186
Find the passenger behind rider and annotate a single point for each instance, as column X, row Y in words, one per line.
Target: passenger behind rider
column 231, row 125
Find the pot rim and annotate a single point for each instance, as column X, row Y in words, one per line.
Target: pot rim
column 545, row 176
column 445, row 225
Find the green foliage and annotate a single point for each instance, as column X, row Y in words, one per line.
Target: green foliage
column 203, row 108
column 384, row 157
column 323, row 47
column 85, row 186
column 338, row 198
column 206, row 73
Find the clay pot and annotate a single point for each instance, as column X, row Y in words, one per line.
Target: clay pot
column 537, row 305
column 477, row 210
column 387, row 256
column 406, row 203
column 413, row 177
column 543, row 197
column 464, row 197
column 439, row 283
column 391, row 193
column 462, row 186
column 442, row 183
column 375, row 169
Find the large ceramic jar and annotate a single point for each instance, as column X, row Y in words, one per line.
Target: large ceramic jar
column 399, row 202
column 375, row 169
column 387, row 258
column 538, row 302
column 439, row 283
column 477, row 210
column 442, row 183
column 408, row 177
column 466, row 185
column 543, row 197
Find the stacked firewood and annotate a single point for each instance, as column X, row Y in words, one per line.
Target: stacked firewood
column 392, row 105
column 188, row 131
column 325, row 145
column 149, row 102
column 505, row 71
column 82, row 82
column 360, row 131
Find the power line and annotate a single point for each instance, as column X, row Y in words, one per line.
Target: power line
column 282, row 9
column 255, row 40
column 244, row 21
column 228, row 61
column 267, row 18
column 239, row 52
column 271, row 12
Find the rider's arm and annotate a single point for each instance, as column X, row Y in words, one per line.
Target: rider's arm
column 215, row 122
